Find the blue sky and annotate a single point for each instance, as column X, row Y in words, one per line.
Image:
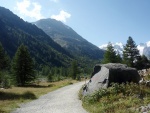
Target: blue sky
column 98, row 21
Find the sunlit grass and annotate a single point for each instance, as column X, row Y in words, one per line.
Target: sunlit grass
column 118, row 99
column 11, row 98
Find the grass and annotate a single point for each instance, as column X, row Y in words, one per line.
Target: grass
column 124, row 98
column 11, row 98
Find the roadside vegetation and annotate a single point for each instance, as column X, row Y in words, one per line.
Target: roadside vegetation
column 123, row 98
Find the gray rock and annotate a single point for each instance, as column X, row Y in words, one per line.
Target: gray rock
column 105, row 74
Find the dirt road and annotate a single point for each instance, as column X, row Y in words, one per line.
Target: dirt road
column 63, row 100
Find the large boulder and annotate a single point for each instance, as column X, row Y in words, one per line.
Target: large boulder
column 105, row 74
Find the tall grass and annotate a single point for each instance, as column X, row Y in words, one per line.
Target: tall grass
column 123, row 98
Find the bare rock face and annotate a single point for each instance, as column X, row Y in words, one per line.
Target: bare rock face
column 105, row 74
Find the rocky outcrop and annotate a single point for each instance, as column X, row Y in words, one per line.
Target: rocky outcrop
column 105, row 74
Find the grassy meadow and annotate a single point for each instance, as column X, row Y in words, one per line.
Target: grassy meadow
column 12, row 97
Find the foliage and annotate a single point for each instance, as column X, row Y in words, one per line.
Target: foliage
column 110, row 56
column 4, row 59
column 4, row 66
column 57, row 74
column 45, row 70
column 50, row 77
column 74, row 70
column 142, row 62
column 22, row 67
column 130, row 53
column 118, row 98
column 5, row 80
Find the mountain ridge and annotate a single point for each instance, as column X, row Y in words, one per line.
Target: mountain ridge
column 69, row 39
column 14, row 31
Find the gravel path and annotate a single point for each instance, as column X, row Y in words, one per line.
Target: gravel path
column 63, row 100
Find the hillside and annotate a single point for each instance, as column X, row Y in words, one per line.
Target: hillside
column 69, row 39
column 15, row 31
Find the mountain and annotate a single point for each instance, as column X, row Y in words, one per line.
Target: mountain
column 14, row 31
column 144, row 48
column 69, row 39
column 118, row 47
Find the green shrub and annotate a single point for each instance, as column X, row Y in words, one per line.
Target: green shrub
column 50, row 77
column 5, row 80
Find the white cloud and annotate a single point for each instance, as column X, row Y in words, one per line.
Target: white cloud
column 62, row 16
column 29, row 9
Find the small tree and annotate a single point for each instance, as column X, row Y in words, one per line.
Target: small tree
column 130, row 53
column 74, row 69
column 110, row 55
column 22, row 67
column 50, row 77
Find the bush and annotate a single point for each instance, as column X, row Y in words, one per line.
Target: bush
column 129, row 89
column 5, row 81
column 50, row 77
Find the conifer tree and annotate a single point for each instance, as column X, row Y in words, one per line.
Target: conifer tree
column 142, row 62
column 4, row 59
column 22, row 67
column 145, row 62
column 74, row 69
column 110, row 55
column 130, row 53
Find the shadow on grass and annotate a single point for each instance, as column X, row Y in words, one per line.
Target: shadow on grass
column 14, row 96
column 38, row 86
column 1, row 111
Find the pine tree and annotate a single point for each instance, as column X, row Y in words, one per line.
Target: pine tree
column 146, row 62
column 74, row 69
column 4, row 59
column 22, row 67
column 130, row 53
column 142, row 63
column 110, row 55
column 118, row 58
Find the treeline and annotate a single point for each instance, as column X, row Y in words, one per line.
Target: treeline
column 130, row 56
column 22, row 69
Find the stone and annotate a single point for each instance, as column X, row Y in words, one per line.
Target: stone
column 105, row 74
